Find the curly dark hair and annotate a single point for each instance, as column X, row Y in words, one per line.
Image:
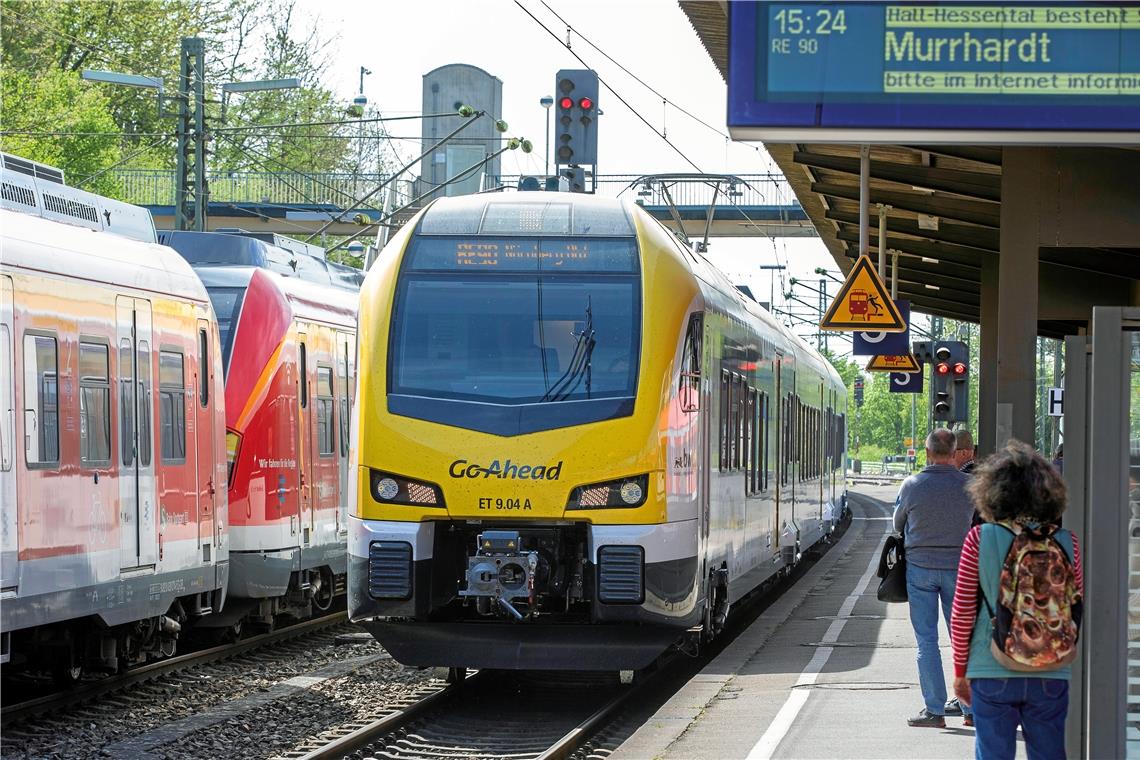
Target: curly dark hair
column 1017, row 483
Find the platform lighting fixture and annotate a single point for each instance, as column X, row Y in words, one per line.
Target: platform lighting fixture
column 128, row 80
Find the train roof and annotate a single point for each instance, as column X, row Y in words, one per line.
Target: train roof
column 38, row 244
column 527, row 213
column 298, row 261
column 309, row 300
column 36, row 189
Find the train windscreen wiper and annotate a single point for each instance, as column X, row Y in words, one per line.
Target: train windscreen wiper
column 580, row 366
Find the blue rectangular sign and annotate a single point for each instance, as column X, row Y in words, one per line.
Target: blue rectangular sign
column 907, row 382
column 884, row 343
column 984, row 67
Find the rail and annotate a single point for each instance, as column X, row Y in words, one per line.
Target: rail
column 155, row 187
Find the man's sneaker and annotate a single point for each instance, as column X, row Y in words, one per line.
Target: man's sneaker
column 968, row 720
column 925, row 719
column 954, row 707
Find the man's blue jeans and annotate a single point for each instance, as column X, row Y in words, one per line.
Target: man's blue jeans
column 925, row 588
column 1038, row 704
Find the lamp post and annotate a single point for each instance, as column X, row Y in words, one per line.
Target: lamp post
column 547, row 101
column 773, row 268
column 190, row 201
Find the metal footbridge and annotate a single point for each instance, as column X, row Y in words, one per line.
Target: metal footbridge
column 749, row 205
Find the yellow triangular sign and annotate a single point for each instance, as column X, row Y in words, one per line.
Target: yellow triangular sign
column 904, row 363
column 863, row 303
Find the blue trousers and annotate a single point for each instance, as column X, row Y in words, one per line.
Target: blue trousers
column 925, row 588
column 1039, row 705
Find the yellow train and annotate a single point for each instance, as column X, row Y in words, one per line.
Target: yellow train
column 577, row 443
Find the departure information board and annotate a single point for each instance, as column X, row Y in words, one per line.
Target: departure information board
column 875, row 69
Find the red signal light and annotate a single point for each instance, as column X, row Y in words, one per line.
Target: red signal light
column 566, row 103
column 586, row 104
column 942, row 368
column 959, row 368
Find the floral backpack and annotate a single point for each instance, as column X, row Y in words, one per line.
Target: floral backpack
column 1037, row 618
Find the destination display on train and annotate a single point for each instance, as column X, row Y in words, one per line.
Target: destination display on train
column 523, row 254
column 935, row 65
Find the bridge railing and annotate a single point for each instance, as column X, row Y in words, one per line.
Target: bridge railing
column 153, row 187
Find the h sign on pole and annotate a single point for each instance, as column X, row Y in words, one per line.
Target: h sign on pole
column 1056, row 402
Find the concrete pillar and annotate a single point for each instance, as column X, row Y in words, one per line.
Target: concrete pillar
column 987, row 372
column 1023, row 185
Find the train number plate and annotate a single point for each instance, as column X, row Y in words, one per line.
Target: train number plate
column 500, row 504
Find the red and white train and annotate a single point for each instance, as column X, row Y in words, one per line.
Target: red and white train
column 287, row 441
column 121, row 450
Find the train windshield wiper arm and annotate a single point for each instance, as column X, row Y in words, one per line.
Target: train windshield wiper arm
column 580, row 365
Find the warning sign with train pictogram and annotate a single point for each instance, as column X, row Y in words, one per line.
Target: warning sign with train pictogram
column 904, row 363
column 863, row 303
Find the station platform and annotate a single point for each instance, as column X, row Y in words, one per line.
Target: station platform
column 827, row 671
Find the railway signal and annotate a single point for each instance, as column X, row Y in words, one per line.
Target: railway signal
column 576, row 140
column 950, row 377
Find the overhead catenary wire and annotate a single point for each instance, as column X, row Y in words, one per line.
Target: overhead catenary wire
column 470, row 120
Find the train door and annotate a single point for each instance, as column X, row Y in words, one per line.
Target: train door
column 138, row 534
column 820, row 462
column 204, row 437
column 344, row 385
column 304, row 447
column 9, row 528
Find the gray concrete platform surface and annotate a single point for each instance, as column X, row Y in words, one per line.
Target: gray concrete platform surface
column 827, row 671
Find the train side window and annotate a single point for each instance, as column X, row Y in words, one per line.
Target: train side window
column 41, row 401
column 752, row 437
column 303, row 370
column 7, row 424
column 344, row 403
column 94, row 404
column 146, row 445
column 690, row 381
column 725, row 407
column 764, row 412
column 203, row 368
column 326, row 418
column 126, row 403
column 172, row 406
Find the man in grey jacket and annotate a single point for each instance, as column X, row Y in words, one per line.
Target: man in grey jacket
column 933, row 513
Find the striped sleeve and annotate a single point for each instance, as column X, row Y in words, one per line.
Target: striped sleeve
column 965, row 609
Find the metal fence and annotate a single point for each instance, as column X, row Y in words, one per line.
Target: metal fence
column 148, row 187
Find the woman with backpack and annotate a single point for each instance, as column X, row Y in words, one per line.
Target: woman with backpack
column 1017, row 607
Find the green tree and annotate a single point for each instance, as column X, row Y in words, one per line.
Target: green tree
column 89, row 140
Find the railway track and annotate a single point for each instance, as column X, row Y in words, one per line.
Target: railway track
column 87, row 692
column 490, row 715
column 526, row 716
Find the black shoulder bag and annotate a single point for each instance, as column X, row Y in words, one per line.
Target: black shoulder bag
column 892, row 570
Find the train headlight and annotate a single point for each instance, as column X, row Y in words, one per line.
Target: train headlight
column 631, row 492
column 626, row 492
column 388, row 488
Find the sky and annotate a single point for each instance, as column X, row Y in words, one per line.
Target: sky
column 401, row 41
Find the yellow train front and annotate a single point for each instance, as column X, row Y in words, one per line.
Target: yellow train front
column 533, row 440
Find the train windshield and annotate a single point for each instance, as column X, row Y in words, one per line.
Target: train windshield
column 227, row 307
column 517, row 320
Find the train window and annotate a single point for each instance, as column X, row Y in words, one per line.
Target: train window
column 94, row 404
column 8, row 422
column 725, row 406
column 203, row 368
column 171, row 405
column 753, row 438
column 41, row 403
column 764, row 411
column 690, row 381
column 126, row 403
column 326, row 418
column 143, row 366
column 303, row 370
